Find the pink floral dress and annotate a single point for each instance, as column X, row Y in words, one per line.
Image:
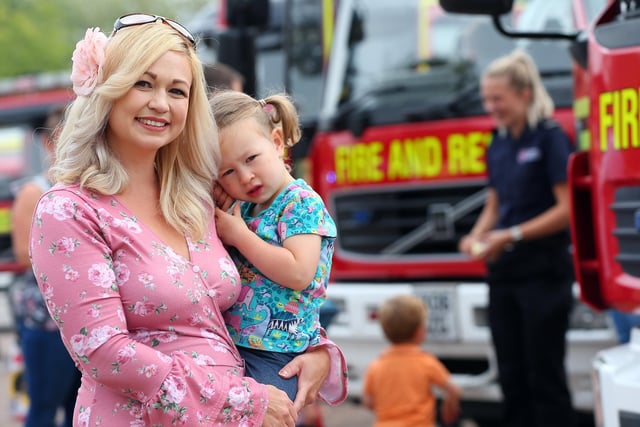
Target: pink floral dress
column 143, row 324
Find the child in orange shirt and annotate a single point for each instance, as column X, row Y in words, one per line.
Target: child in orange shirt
column 398, row 384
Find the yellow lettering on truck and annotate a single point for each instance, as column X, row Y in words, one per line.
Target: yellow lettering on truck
column 619, row 119
column 466, row 153
column 359, row 163
column 414, row 158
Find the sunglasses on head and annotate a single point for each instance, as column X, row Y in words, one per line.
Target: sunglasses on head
column 143, row 18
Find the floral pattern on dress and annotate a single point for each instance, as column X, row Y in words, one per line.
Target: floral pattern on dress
column 143, row 324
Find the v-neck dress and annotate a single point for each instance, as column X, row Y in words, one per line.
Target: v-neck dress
column 143, row 324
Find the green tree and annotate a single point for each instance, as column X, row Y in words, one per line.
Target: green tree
column 39, row 36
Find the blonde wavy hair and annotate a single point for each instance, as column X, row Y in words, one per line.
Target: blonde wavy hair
column 521, row 72
column 186, row 167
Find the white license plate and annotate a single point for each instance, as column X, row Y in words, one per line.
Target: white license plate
column 442, row 313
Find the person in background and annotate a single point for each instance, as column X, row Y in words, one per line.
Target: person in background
column 125, row 250
column 281, row 231
column 624, row 322
column 221, row 76
column 398, row 384
column 52, row 379
column 522, row 234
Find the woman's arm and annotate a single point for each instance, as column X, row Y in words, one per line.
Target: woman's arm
column 485, row 222
column 553, row 219
column 22, row 211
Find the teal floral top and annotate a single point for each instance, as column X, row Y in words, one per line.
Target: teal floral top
column 268, row 316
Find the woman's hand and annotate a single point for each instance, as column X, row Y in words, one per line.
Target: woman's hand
column 494, row 243
column 465, row 244
column 280, row 411
column 312, row 368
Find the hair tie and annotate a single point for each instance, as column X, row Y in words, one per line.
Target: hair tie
column 262, row 103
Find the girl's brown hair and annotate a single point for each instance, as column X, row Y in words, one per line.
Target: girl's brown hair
column 274, row 111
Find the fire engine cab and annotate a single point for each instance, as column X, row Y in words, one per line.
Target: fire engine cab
column 604, row 181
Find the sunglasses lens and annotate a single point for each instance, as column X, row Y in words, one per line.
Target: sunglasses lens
column 182, row 30
column 143, row 18
column 136, row 19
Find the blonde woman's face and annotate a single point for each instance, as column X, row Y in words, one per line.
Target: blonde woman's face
column 153, row 112
column 507, row 106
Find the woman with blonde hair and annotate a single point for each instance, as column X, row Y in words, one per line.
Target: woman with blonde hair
column 522, row 234
column 125, row 250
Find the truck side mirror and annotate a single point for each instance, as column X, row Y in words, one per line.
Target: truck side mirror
column 248, row 13
column 477, row 7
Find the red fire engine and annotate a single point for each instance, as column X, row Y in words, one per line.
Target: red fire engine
column 399, row 160
column 605, row 184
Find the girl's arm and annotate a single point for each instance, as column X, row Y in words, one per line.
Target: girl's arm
column 292, row 265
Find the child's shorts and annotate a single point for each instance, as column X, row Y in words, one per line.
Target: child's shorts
column 263, row 366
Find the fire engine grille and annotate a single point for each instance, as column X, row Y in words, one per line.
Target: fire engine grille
column 415, row 221
column 626, row 207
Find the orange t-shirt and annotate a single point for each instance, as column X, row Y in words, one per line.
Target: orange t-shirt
column 399, row 384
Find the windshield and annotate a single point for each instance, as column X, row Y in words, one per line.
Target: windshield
column 405, row 38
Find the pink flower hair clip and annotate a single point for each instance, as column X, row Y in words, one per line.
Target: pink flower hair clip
column 88, row 58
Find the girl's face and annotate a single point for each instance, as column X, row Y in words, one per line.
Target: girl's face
column 252, row 167
column 507, row 106
column 153, row 112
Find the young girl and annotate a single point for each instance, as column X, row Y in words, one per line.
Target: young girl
column 281, row 230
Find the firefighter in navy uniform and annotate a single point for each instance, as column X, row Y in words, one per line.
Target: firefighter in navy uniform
column 522, row 234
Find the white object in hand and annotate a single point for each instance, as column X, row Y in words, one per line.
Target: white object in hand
column 477, row 247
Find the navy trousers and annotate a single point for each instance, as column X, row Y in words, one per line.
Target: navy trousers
column 528, row 323
column 51, row 376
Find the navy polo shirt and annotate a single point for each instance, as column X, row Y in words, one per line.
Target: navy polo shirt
column 524, row 171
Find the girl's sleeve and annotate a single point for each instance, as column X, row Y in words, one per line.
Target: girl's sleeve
column 74, row 267
column 334, row 388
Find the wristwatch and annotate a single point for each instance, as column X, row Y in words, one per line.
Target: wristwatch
column 516, row 233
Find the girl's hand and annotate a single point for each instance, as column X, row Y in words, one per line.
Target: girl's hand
column 312, row 368
column 280, row 411
column 230, row 226
column 221, row 198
